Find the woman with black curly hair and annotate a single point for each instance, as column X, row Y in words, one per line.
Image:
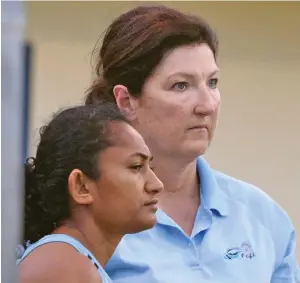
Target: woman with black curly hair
column 89, row 184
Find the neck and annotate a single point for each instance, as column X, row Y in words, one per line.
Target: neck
column 98, row 241
column 180, row 199
column 179, row 179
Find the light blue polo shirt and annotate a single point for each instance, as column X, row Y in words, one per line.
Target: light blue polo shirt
column 240, row 235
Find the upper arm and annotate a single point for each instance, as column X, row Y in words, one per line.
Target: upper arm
column 61, row 275
column 286, row 269
column 63, row 265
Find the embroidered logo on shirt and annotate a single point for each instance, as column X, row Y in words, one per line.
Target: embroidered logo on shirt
column 243, row 252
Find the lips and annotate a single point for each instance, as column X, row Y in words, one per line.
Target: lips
column 198, row 127
column 152, row 202
column 152, row 205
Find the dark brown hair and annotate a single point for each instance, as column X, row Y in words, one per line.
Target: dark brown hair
column 136, row 42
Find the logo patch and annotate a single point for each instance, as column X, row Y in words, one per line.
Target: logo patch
column 245, row 251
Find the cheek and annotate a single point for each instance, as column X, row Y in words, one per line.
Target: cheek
column 218, row 103
column 217, row 98
column 215, row 115
column 157, row 114
column 160, row 126
column 121, row 191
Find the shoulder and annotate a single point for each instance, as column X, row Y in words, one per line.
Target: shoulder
column 260, row 207
column 57, row 262
column 255, row 199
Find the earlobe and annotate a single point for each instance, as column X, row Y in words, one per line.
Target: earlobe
column 124, row 101
column 78, row 185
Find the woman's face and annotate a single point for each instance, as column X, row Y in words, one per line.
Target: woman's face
column 179, row 107
column 126, row 194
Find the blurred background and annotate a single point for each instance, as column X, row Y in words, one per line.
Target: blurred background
column 258, row 137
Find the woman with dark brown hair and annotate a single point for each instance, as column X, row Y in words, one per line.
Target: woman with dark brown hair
column 159, row 66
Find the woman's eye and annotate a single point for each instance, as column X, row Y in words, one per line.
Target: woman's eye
column 213, row 83
column 180, row 86
column 137, row 167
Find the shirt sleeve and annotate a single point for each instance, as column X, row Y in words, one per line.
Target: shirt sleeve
column 287, row 271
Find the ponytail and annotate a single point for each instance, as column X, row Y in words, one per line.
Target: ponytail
column 99, row 93
column 35, row 224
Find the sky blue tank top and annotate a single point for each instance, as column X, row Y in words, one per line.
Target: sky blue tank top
column 62, row 238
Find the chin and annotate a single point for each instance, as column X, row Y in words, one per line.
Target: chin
column 196, row 149
column 144, row 224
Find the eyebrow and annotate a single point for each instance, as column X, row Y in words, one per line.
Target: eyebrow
column 143, row 156
column 210, row 74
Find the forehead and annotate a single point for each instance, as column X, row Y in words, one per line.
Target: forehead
column 190, row 59
column 125, row 136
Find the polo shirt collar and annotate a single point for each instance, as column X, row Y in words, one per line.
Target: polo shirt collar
column 212, row 194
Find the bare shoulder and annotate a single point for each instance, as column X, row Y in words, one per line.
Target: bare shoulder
column 59, row 263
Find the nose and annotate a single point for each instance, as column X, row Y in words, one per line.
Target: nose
column 208, row 102
column 153, row 185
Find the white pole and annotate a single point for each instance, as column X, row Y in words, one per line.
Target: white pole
column 12, row 21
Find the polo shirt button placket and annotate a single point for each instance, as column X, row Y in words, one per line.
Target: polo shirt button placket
column 194, row 261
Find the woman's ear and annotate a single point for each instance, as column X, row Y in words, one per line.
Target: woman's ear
column 126, row 103
column 80, row 187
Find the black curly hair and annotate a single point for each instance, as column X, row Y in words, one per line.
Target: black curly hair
column 73, row 139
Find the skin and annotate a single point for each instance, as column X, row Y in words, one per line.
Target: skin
column 102, row 210
column 181, row 94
